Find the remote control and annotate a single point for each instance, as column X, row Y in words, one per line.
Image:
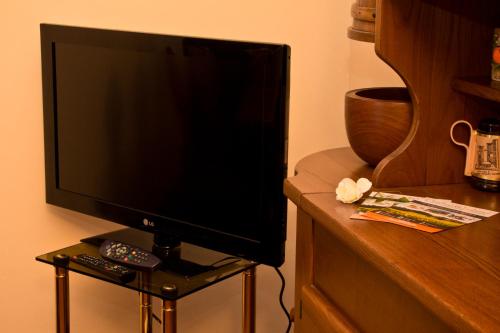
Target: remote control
column 110, row 269
column 129, row 255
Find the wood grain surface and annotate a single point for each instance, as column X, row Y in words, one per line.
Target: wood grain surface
column 377, row 121
column 429, row 43
column 448, row 281
column 481, row 87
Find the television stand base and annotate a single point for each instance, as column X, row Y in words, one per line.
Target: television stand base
column 169, row 284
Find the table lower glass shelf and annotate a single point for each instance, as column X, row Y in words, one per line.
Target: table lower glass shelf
column 195, row 268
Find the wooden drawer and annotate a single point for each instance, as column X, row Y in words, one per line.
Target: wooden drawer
column 366, row 296
column 319, row 315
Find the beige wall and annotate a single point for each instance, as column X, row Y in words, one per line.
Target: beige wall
column 367, row 70
column 322, row 62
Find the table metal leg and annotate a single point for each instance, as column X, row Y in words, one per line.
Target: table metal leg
column 169, row 316
column 249, row 300
column 146, row 314
column 62, row 300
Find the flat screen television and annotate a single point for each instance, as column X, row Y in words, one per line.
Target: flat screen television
column 182, row 137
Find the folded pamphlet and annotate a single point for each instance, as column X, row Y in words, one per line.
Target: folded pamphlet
column 422, row 213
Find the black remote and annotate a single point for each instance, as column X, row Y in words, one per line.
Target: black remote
column 110, row 269
column 129, row 255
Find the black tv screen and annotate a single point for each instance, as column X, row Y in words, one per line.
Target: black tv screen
column 180, row 136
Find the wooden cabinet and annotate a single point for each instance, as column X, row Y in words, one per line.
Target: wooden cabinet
column 371, row 276
column 435, row 46
column 368, row 276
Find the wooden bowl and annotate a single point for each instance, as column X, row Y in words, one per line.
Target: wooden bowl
column 377, row 121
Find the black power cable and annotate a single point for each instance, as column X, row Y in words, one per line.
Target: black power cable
column 282, row 290
column 281, row 299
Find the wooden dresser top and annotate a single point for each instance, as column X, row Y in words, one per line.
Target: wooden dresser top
column 455, row 273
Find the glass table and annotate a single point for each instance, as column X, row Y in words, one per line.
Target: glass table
column 191, row 268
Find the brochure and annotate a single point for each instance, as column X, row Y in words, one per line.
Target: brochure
column 422, row 213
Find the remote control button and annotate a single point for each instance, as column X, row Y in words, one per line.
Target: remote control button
column 113, row 270
column 129, row 255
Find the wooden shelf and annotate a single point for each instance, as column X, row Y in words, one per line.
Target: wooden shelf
column 477, row 86
column 413, row 38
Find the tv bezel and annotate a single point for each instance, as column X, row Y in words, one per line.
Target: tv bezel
column 269, row 248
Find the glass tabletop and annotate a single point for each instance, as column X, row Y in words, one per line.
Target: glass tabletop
column 193, row 269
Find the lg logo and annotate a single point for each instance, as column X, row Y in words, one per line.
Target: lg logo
column 148, row 223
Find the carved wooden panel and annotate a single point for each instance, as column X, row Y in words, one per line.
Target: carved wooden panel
column 430, row 43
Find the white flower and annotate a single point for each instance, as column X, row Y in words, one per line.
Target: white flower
column 349, row 191
column 363, row 184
